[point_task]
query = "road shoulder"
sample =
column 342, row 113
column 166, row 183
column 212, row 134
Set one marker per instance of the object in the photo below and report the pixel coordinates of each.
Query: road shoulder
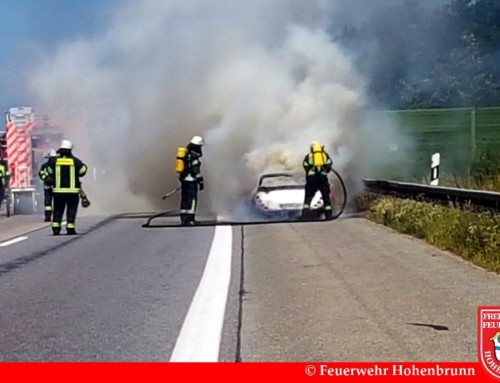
column 17, row 225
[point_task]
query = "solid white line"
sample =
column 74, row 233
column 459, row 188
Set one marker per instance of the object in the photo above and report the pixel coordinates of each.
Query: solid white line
column 12, row 241
column 199, row 339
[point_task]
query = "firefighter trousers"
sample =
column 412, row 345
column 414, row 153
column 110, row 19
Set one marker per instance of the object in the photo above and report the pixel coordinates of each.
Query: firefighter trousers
column 47, row 202
column 68, row 202
column 313, row 185
column 189, row 200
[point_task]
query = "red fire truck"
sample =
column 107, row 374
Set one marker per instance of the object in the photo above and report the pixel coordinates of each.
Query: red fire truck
column 27, row 138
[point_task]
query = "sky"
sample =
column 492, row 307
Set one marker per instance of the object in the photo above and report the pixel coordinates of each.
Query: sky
column 30, row 27
column 33, row 27
column 258, row 79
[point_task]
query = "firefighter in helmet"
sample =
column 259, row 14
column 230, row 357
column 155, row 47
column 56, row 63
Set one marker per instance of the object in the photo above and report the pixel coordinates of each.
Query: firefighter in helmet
column 191, row 179
column 317, row 164
column 4, row 179
column 66, row 170
column 48, row 184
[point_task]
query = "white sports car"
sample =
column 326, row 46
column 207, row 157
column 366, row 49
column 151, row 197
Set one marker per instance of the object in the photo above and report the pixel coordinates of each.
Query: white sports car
column 278, row 194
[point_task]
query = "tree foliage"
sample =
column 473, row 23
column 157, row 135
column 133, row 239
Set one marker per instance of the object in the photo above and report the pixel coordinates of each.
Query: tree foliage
column 417, row 57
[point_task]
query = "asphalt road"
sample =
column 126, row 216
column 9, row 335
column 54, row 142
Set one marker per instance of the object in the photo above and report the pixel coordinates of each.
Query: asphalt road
column 117, row 292
column 352, row 290
column 347, row 290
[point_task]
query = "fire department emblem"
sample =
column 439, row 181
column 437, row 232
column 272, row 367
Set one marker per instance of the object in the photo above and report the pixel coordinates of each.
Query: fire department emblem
column 489, row 339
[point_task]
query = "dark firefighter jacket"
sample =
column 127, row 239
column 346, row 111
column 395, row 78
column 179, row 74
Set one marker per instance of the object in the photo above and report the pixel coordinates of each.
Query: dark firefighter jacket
column 322, row 171
column 192, row 172
column 4, row 174
column 44, row 175
column 66, row 171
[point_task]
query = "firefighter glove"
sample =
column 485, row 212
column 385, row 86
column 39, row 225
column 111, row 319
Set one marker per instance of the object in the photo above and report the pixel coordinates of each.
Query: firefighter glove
column 201, row 184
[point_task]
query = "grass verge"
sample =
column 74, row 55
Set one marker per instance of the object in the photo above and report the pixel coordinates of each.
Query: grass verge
column 473, row 235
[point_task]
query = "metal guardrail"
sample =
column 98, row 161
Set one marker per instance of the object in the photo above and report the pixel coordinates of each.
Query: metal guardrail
column 478, row 198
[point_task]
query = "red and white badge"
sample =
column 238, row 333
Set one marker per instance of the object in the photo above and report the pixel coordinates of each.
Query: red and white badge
column 489, row 339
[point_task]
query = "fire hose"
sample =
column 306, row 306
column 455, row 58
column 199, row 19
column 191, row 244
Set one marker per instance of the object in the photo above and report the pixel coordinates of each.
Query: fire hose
column 217, row 222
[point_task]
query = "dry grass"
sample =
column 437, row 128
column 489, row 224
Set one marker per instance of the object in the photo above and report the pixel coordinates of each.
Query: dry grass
column 470, row 234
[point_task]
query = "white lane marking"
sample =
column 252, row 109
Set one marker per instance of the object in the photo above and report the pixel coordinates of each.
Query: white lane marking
column 12, row 241
column 199, row 339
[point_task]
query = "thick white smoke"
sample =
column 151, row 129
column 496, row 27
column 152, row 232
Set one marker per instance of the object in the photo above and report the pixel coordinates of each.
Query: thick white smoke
column 260, row 80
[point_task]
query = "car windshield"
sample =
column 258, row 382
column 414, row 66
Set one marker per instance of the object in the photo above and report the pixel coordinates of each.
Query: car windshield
column 279, row 181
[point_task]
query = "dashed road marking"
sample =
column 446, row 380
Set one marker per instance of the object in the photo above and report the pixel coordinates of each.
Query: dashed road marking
column 12, row 241
column 200, row 336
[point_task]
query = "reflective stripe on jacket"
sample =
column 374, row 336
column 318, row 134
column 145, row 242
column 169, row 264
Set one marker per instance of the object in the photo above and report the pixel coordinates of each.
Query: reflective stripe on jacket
column 66, row 172
column 4, row 173
column 44, row 173
column 193, row 168
column 312, row 170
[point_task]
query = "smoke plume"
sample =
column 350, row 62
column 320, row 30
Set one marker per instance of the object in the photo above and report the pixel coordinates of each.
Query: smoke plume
column 259, row 80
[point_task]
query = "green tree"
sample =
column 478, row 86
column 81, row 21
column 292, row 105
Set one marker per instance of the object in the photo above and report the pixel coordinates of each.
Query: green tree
column 422, row 58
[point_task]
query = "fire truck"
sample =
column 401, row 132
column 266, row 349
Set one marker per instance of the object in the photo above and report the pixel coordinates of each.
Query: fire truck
column 27, row 138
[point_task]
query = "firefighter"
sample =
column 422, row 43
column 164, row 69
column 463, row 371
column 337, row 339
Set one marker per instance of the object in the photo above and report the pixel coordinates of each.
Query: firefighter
column 191, row 179
column 317, row 164
column 66, row 170
column 4, row 179
column 48, row 183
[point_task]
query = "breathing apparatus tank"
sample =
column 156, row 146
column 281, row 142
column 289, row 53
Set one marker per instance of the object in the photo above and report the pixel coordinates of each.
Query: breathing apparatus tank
column 317, row 154
column 180, row 160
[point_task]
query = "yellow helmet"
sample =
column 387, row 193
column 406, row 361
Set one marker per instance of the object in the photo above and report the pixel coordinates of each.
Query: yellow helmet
column 316, row 147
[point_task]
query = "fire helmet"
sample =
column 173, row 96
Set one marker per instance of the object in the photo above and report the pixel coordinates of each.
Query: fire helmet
column 66, row 144
column 197, row 140
column 51, row 153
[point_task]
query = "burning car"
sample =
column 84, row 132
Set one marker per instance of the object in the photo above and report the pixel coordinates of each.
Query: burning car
column 278, row 194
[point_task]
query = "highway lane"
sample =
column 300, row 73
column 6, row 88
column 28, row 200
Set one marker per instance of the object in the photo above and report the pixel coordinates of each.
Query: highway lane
column 347, row 290
column 10, row 227
column 118, row 292
column 27, row 238
column 352, row 290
